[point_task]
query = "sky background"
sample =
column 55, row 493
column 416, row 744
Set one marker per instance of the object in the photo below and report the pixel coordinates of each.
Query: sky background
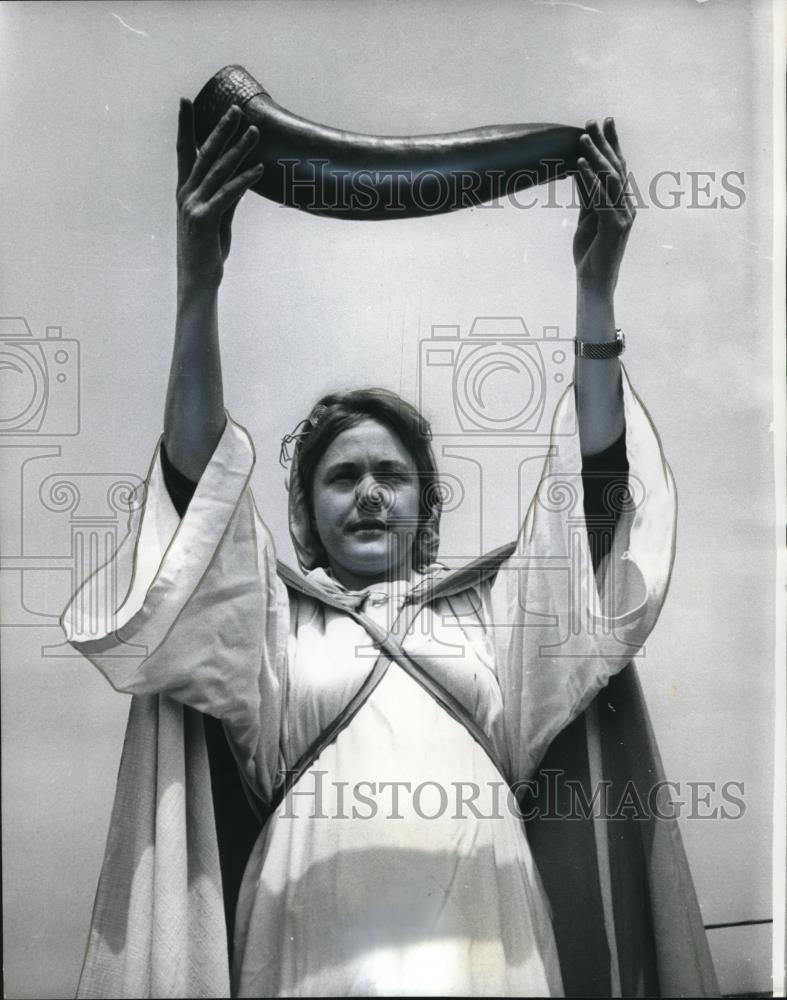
column 89, row 95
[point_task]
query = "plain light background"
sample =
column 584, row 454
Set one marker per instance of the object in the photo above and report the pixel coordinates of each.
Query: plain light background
column 90, row 96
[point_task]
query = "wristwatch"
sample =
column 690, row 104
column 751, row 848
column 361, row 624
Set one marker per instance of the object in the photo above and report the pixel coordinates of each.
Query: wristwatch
column 598, row 352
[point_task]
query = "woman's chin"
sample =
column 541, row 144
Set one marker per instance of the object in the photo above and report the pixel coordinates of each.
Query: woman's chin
column 373, row 557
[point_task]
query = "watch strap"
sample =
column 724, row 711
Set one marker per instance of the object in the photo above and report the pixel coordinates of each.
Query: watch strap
column 599, row 352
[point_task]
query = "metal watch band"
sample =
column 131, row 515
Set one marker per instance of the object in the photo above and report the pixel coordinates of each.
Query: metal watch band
column 599, row 352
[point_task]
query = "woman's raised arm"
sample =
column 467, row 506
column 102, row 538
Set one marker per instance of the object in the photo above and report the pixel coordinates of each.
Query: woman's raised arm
column 209, row 189
column 605, row 220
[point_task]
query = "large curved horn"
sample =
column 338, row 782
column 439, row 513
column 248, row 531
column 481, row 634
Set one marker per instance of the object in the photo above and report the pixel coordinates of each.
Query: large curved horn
column 347, row 175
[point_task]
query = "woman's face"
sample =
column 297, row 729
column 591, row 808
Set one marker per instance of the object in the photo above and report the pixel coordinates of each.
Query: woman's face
column 366, row 504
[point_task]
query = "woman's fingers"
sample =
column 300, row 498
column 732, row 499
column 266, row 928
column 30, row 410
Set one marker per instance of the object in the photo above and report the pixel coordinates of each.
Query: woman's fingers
column 594, row 188
column 214, row 145
column 228, row 163
column 609, row 181
column 611, row 132
column 585, row 181
column 229, row 193
column 604, row 146
column 609, row 143
column 616, row 208
column 611, row 136
column 186, row 145
column 607, row 174
column 589, row 185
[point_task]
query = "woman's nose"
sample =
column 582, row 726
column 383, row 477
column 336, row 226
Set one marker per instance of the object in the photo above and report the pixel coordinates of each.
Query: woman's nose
column 372, row 495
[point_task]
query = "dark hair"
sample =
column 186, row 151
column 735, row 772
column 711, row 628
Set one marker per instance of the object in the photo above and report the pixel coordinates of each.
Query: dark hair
column 338, row 412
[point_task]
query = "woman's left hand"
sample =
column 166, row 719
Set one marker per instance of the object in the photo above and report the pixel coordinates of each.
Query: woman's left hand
column 607, row 213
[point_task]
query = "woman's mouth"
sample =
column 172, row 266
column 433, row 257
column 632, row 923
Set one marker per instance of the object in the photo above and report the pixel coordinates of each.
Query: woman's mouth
column 368, row 524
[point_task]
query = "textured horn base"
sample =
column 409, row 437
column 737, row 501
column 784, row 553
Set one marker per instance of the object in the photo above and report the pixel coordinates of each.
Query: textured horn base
column 231, row 85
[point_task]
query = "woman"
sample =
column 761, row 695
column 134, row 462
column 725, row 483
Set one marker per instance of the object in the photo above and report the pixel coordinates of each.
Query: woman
column 358, row 699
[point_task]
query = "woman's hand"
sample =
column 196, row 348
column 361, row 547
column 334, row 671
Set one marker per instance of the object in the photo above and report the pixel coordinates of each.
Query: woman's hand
column 607, row 213
column 209, row 190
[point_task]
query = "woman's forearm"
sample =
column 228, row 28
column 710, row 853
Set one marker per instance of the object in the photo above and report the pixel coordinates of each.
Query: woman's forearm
column 194, row 416
column 599, row 391
column 606, row 216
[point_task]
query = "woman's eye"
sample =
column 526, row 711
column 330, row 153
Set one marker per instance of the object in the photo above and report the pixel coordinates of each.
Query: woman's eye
column 340, row 475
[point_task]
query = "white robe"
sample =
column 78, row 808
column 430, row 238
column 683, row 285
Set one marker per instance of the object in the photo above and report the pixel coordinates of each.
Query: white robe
column 440, row 899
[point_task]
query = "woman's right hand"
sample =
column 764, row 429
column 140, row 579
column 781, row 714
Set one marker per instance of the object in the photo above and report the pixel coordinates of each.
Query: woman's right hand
column 209, row 190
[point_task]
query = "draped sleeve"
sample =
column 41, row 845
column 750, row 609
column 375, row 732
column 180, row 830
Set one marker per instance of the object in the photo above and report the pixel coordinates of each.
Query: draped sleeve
column 561, row 629
column 204, row 618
